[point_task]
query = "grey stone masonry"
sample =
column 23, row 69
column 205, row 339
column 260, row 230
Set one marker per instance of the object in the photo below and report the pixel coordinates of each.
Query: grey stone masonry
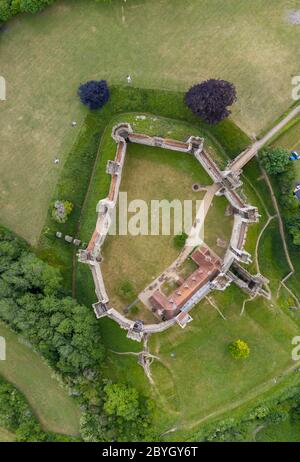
column 226, row 182
column 113, row 168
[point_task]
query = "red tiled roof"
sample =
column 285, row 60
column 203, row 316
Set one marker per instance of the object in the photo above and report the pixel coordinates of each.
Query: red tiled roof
column 209, row 267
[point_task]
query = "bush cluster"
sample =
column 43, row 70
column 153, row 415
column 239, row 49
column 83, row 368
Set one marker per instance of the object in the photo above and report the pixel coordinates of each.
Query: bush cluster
column 67, row 334
column 277, row 164
column 10, row 8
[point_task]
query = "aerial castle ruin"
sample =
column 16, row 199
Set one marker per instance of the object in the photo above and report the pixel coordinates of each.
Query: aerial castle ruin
column 212, row 273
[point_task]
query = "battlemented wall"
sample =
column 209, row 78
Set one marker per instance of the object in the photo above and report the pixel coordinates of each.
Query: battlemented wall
column 226, row 272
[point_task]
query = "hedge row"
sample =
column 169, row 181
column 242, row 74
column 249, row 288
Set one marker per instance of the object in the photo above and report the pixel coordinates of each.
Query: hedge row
column 10, row 8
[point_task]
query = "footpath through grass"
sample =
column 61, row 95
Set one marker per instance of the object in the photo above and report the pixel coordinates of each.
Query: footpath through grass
column 54, row 408
column 195, row 377
column 285, row 432
column 6, row 436
column 289, row 138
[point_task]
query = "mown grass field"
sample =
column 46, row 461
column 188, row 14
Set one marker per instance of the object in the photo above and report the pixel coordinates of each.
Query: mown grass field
column 162, row 44
column 6, row 436
column 285, row 432
column 55, row 409
column 202, row 380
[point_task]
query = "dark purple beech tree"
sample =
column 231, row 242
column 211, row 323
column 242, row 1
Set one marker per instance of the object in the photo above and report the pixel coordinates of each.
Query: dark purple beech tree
column 209, row 100
column 94, row 94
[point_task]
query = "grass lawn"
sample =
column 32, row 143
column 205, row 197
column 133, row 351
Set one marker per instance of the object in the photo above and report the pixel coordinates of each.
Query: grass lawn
column 290, row 139
column 55, row 409
column 6, row 436
column 218, row 226
column 285, row 432
column 202, row 379
column 248, row 43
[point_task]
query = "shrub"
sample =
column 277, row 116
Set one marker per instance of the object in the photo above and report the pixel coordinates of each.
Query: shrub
column 289, row 202
column 94, row 94
column 134, row 309
column 179, row 240
column 287, row 178
column 121, row 401
column 239, row 349
column 5, row 10
column 61, row 211
column 126, row 291
column 275, row 160
column 34, row 6
column 9, row 8
column 260, row 412
column 209, row 100
column 293, row 225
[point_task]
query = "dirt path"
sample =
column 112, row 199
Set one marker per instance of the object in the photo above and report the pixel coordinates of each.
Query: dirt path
column 257, row 430
column 281, row 227
column 240, row 161
column 211, row 301
column 285, row 246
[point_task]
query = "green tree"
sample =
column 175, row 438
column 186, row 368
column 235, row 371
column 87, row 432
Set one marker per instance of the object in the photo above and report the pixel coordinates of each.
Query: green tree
column 289, row 202
column 274, row 160
column 126, row 291
column 293, row 225
column 93, row 428
column 16, row 416
column 5, row 10
column 179, row 240
column 121, row 401
column 34, row 6
column 239, row 349
column 68, row 336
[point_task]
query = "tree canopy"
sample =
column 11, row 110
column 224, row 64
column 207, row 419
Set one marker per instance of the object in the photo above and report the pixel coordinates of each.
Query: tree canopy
column 293, row 224
column 179, row 240
column 67, row 334
column 275, row 160
column 121, row 401
column 9, row 8
column 32, row 302
column 16, row 416
column 94, row 94
column 239, row 349
column 210, row 100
